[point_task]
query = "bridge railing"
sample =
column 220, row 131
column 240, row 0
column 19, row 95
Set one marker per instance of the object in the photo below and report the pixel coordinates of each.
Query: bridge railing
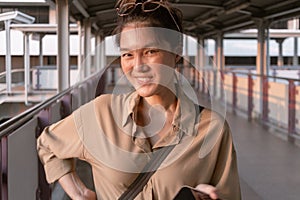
column 274, row 103
column 22, row 175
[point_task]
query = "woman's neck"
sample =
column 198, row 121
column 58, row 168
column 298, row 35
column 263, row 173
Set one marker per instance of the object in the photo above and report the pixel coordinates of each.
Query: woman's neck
column 167, row 99
column 165, row 102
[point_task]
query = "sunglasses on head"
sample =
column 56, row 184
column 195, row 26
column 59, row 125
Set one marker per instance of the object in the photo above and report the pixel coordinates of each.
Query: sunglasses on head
column 147, row 6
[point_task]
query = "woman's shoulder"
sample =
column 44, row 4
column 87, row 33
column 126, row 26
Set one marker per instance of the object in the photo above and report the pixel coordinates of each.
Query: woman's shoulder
column 212, row 118
column 208, row 113
column 111, row 99
column 102, row 99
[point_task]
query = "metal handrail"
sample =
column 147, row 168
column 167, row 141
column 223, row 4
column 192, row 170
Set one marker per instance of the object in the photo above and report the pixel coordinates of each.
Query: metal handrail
column 14, row 71
column 12, row 124
column 259, row 75
column 3, row 74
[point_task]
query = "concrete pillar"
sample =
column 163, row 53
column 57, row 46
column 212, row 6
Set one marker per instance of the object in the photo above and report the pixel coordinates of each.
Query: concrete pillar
column 214, row 67
column 262, row 67
column 8, row 57
column 199, row 61
column 268, row 61
column 261, row 58
column 41, row 59
column 63, row 65
column 80, row 50
column 201, row 52
column 203, row 60
column 99, row 51
column 186, row 60
column 219, row 63
column 87, row 26
column 102, row 53
column 280, row 50
column 26, row 66
column 295, row 57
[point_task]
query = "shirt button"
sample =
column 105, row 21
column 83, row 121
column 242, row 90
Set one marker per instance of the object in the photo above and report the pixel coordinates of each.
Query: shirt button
column 175, row 128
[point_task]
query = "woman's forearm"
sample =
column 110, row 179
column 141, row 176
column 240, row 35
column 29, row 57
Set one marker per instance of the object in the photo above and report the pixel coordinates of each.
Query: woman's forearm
column 75, row 188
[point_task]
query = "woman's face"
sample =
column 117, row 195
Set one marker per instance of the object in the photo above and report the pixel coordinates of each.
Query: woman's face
column 146, row 60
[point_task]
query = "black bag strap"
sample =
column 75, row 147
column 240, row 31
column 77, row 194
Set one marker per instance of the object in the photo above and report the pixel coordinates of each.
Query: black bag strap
column 150, row 168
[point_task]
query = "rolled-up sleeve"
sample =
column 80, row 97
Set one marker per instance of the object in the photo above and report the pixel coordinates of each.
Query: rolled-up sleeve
column 226, row 176
column 57, row 147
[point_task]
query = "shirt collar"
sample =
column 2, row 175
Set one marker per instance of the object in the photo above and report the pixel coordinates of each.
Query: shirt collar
column 131, row 103
column 185, row 114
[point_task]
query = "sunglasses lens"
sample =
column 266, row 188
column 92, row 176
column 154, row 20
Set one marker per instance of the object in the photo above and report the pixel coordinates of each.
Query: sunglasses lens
column 150, row 6
column 126, row 9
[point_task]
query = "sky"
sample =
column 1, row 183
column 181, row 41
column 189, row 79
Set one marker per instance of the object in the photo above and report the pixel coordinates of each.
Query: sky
column 231, row 47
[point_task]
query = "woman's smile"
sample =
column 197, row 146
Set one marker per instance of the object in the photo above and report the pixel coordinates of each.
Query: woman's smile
column 143, row 80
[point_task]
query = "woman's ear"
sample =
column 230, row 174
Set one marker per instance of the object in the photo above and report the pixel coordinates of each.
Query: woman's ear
column 177, row 58
column 178, row 51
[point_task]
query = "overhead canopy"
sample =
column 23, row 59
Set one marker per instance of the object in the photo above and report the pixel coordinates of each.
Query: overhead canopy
column 201, row 17
column 17, row 17
column 42, row 28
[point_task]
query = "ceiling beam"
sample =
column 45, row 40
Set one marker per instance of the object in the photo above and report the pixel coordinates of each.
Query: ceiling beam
column 283, row 13
column 197, row 5
column 206, row 20
column 81, row 8
column 280, row 4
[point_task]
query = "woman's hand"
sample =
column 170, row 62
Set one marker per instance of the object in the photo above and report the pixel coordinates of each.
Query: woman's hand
column 208, row 189
column 87, row 195
column 75, row 188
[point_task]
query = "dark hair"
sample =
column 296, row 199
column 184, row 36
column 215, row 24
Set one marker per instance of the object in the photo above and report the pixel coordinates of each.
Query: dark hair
column 160, row 17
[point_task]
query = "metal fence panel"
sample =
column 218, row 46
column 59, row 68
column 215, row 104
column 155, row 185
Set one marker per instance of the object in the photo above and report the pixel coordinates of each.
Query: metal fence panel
column 23, row 162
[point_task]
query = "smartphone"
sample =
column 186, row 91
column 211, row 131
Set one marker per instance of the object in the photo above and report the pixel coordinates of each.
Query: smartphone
column 188, row 193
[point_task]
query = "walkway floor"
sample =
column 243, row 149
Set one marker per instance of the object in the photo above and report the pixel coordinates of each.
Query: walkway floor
column 269, row 166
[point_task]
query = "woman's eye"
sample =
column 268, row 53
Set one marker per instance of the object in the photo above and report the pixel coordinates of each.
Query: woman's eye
column 126, row 55
column 151, row 51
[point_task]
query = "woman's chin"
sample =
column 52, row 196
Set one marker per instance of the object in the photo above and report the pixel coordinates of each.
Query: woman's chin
column 146, row 90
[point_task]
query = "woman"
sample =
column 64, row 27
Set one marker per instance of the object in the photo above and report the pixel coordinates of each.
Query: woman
column 118, row 134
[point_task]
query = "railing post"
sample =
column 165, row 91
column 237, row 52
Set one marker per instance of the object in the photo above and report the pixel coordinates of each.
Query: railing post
column 66, row 106
column 8, row 57
column 193, row 72
column 203, row 81
column 197, row 75
column 215, row 82
column 112, row 71
column 4, row 156
column 265, row 110
column 292, row 108
column 250, row 97
column 208, row 85
column 38, row 74
column 43, row 191
column 234, row 92
column 222, row 85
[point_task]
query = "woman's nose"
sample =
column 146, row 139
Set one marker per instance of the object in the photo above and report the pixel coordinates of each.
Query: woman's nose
column 140, row 64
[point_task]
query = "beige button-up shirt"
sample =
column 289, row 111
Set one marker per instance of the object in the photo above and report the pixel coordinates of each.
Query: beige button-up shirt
column 103, row 132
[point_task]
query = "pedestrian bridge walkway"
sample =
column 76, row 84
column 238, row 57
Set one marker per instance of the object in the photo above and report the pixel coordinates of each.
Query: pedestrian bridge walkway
column 268, row 161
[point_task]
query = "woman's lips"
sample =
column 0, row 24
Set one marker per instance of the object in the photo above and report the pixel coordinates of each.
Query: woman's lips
column 144, row 80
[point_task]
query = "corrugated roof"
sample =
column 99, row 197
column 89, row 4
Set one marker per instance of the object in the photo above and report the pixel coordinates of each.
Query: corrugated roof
column 204, row 17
